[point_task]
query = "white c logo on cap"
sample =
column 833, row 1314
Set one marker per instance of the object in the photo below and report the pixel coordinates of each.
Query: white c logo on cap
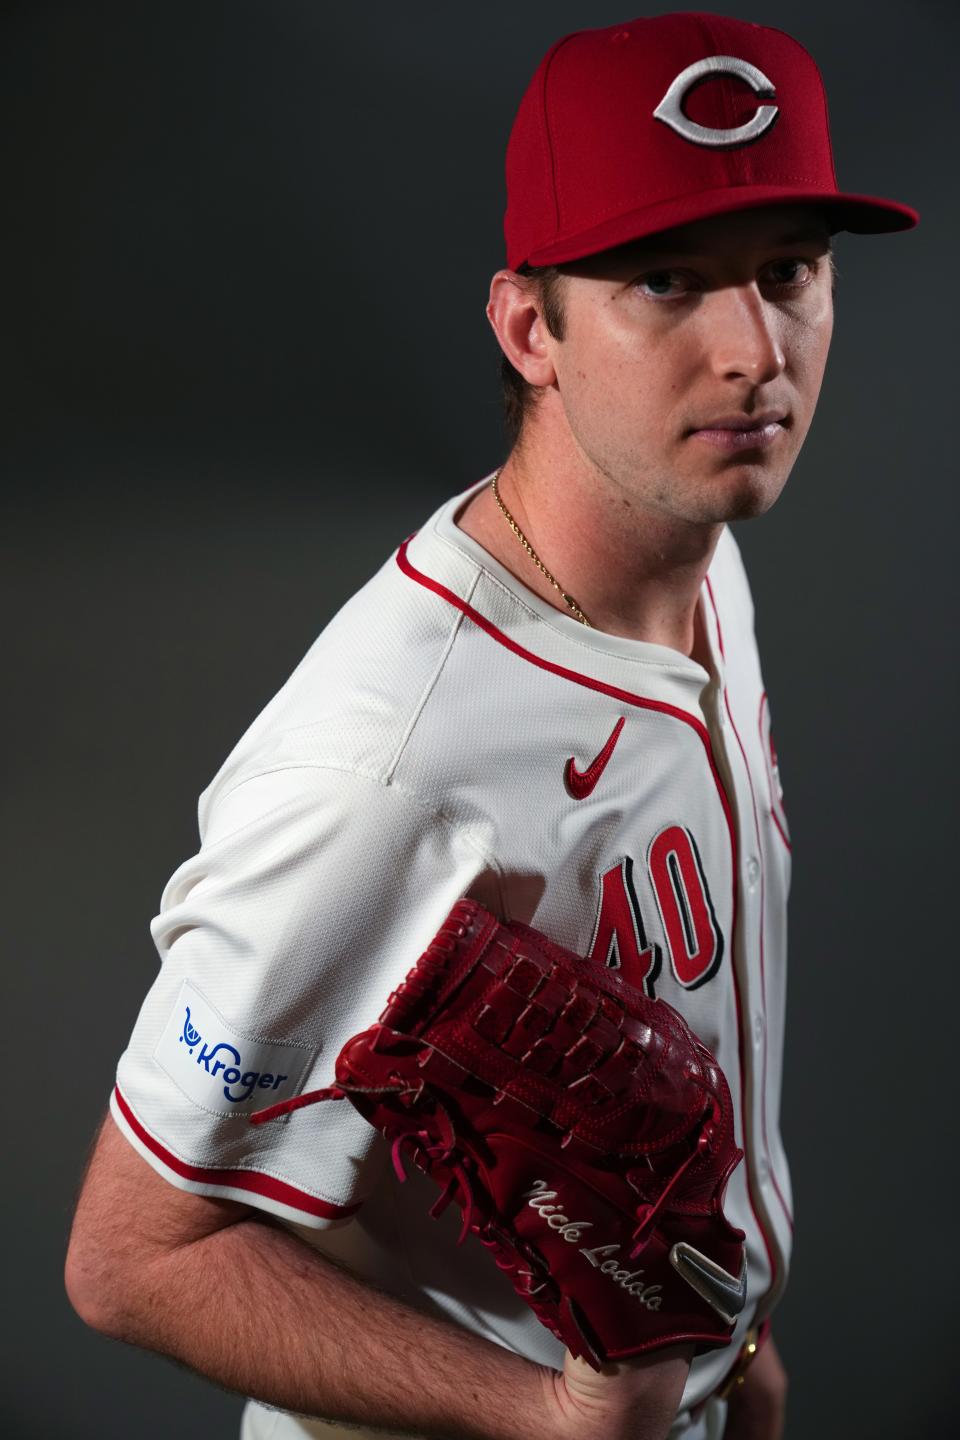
column 671, row 113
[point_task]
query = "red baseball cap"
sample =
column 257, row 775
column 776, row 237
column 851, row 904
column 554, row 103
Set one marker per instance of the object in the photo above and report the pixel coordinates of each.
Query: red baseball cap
column 636, row 128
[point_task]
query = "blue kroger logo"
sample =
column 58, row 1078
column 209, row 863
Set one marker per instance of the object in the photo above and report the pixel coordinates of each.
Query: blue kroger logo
column 223, row 1061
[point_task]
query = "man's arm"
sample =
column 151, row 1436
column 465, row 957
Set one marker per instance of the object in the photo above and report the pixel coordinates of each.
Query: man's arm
column 244, row 1302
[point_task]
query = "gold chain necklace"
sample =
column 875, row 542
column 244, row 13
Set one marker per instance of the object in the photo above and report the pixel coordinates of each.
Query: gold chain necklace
column 568, row 600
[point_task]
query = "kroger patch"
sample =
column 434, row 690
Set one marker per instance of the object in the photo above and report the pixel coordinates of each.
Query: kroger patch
column 221, row 1069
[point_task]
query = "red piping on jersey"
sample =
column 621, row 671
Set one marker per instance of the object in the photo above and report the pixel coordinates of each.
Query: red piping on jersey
column 412, row 573
column 640, row 701
column 252, row 1180
column 763, row 979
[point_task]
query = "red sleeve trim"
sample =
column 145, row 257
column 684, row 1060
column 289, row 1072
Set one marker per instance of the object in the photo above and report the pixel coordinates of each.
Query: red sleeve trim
column 253, row 1181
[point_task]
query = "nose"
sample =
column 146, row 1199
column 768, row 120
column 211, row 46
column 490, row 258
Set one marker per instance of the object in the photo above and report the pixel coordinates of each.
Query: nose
column 744, row 337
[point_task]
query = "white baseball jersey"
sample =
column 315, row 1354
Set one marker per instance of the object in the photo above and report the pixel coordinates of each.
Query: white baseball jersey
column 450, row 733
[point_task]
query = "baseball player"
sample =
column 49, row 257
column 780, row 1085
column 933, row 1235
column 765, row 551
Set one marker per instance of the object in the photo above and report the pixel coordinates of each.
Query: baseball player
column 549, row 700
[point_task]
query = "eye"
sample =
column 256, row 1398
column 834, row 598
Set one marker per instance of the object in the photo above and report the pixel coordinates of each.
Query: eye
column 658, row 284
column 790, row 274
column 793, row 273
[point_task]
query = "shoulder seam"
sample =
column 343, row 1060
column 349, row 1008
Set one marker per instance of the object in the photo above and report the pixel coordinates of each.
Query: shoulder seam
column 431, row 683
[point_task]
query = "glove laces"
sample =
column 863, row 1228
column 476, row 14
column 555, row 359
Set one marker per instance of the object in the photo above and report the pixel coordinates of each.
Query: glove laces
column 439, row 1146
column 647, row 1214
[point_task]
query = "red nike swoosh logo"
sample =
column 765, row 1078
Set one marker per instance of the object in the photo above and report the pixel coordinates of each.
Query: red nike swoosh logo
column 581, row 782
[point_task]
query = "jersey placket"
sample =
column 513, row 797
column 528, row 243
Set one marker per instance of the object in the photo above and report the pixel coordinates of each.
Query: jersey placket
column 747, row 977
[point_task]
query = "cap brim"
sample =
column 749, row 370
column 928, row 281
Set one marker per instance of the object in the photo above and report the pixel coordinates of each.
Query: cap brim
column 861, row 214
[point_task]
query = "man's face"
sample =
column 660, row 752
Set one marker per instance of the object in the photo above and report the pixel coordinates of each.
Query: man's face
column 685, row 332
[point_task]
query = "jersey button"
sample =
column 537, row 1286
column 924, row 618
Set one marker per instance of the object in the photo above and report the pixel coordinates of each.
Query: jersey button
column 757, row 1029
column 764, row 1170
column 753, row 872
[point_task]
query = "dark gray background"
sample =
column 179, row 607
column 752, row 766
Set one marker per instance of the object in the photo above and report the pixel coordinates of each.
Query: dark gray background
column 246, row 249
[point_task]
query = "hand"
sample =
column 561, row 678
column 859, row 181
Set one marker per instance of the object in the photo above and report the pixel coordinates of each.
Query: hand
column 629, row 1400
column 757, row 1408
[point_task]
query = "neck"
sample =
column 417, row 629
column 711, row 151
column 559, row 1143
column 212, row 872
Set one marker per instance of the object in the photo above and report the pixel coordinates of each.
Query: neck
column 635, row 571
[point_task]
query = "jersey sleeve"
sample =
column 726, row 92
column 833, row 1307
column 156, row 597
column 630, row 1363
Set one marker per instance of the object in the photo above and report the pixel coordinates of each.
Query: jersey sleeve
column 313, row 893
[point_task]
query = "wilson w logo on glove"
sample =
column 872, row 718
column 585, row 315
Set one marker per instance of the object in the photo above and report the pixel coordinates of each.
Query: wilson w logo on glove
column 582, row 1128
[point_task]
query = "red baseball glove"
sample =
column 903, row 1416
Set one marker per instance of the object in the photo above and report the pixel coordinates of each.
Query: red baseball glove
column 584, row 1131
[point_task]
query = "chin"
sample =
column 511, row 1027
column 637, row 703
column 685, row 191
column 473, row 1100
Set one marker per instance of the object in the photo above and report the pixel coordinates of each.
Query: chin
column 745, row 496
column 751, row 504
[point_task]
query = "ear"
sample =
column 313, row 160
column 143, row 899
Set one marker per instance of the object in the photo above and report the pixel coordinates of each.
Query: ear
column 520, row 329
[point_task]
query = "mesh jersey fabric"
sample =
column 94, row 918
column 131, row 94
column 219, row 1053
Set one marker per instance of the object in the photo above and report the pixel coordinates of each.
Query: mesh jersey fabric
column 418, row 753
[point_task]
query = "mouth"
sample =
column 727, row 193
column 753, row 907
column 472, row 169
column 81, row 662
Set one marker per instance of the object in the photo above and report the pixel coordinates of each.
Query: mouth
column 735, row 433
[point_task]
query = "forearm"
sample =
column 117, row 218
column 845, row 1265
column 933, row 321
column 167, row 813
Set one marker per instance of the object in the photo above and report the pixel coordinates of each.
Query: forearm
column 249, row 1305
column 255, row 1309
